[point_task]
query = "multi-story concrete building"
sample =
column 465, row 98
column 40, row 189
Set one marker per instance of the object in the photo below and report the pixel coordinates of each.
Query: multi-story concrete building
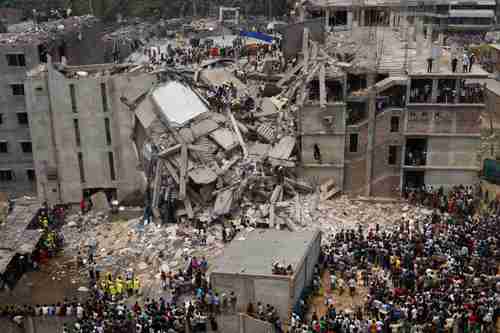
column 443, row 15
column 26, row 46
column 82, row 130
column 390, row 123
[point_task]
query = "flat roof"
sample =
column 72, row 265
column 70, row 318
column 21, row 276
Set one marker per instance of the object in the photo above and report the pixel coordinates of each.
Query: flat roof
column 256, row 252
column 178, row 102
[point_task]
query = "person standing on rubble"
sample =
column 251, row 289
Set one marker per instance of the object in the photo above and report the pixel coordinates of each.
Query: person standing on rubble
column 148, row 214
column 317, row 153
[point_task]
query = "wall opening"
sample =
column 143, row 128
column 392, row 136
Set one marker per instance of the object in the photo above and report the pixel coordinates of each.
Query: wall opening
column 394, row 124
column 26, row 146
column 81, row 167
column 413, row 179
column 6, row 175
column 72, row 94
column 108, row 131
column 104, row 97
column 22, row 118
column 16, row 60
column 111, row 166
column 353, row 143
column 76, row 126
column 416, row 152
column 392, row 159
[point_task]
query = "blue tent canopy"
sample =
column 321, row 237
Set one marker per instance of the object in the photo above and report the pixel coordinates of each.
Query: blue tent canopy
column 257, row 35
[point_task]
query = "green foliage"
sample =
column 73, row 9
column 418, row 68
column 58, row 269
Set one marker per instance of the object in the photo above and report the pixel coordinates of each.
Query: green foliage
column 7, row 3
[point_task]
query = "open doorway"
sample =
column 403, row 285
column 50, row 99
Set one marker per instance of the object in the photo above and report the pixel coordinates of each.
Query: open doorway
column 416, row 152
column 413, row 179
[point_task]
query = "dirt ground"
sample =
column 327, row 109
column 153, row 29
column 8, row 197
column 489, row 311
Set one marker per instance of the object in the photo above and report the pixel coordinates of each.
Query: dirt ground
column 56, row 280
column 341, row 303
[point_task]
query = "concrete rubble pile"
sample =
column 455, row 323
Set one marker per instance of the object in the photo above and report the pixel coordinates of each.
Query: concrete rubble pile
column 131, row 245
column 28, row 32
column 54, row 26
column 228, row 163
column 331, row 216
column 238, row 156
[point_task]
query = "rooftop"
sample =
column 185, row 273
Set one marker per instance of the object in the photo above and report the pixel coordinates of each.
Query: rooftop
column 258, row 249
column 178, row 103
column 14, row 236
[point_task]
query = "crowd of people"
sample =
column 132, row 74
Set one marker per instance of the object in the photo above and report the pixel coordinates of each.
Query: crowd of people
column 190, row 304
column 431, row 273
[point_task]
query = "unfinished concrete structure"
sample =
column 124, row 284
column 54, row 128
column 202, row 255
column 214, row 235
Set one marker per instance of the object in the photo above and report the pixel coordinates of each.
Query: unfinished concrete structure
column 387, row 111
column 445, row 15
column 246, row 268
column 82, row 129
column 24, row 47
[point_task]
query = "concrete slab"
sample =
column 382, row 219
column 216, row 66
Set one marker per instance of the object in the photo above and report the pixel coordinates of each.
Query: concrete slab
column 178, row 103
column 203, row 175
column 259, row 249
column 283, row 149
column 204, row 127
column 224, row 138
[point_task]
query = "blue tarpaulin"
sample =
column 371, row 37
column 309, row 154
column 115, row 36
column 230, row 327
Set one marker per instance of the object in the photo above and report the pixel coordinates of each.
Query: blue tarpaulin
column 257, row 35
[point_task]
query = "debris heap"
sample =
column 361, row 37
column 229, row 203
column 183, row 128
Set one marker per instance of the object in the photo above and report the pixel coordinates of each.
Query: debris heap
column 226, row 163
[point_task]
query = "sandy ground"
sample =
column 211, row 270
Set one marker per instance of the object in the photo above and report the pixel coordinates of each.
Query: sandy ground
column 55, row 281
column 345, row 302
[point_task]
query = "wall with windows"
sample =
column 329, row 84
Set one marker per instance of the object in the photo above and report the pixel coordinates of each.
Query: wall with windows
column 88, row 145
column 16, row 161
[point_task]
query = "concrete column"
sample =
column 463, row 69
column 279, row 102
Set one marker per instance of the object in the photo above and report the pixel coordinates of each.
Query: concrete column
column 362, row 18
column 371, row 132
column 391, row 19
column 349, row 20
column 302, row 13
column 327, row 19
column 429, row 34
column 457, row 91
column 419, row 32
column 432, row 126
column 434, row 91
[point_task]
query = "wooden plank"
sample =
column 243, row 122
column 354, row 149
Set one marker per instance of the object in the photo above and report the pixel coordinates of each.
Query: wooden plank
column 322, row 86
column 183, row 168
